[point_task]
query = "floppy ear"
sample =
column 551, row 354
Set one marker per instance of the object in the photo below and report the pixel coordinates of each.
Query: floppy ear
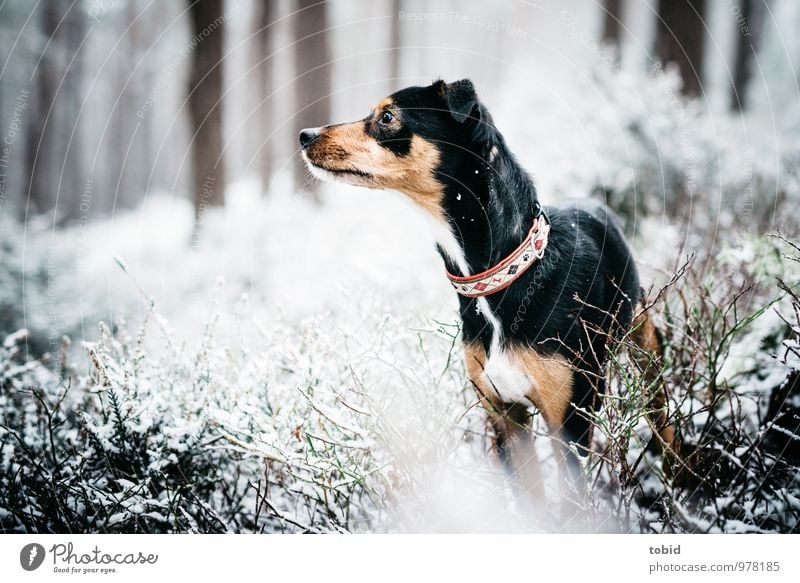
column 460, row 97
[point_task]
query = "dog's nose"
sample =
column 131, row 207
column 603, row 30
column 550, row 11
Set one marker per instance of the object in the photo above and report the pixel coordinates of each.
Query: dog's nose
column 307, row 136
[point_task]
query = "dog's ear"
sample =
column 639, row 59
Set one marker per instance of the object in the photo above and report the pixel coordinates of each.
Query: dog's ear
column 459, row 96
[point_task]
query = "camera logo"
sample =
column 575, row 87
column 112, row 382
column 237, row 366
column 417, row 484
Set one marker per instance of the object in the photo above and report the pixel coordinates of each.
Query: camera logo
column 31, row 556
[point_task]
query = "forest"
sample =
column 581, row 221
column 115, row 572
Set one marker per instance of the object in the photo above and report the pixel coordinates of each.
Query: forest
column 198, row 336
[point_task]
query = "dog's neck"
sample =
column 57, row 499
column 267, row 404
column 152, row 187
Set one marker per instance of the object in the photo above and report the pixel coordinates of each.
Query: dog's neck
column 489, row 204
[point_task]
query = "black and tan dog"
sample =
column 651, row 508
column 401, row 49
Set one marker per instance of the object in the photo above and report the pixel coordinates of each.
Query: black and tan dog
column 541, row 289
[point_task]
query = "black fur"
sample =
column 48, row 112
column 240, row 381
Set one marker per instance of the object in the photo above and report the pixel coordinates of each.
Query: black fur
column 584, row 287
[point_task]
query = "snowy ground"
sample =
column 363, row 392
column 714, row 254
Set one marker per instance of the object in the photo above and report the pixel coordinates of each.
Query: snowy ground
column 315, row 348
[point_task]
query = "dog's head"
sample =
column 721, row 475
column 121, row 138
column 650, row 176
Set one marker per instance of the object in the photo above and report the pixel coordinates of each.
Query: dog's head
column 405, row 143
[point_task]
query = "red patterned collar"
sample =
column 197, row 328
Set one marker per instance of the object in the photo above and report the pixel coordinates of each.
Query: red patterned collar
column 509, row 269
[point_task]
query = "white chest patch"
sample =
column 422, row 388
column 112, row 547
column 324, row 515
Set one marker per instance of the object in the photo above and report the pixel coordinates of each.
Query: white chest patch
column 511, row 383
column 508, row 379
column 443, row 235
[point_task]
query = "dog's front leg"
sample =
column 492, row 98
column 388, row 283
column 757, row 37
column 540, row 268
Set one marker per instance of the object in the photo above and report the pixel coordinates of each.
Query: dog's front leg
column 515, row 448
column 513, row 440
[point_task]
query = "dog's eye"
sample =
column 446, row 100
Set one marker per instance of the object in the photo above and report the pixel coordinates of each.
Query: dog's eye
column 387, row 117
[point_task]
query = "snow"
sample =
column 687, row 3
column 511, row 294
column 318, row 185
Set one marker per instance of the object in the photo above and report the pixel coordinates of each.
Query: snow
column 277, row 337
column 321, row 342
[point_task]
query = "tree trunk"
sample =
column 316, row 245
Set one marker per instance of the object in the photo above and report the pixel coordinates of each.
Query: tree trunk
column 73, row 168
column 40, row 161
column 680, row 34
column 395, row 41
column 205, row 106
column 312, row 74
column 118, row 167
column 262, row 132
column 133, row 169
column 748, row 24
column 612, row 22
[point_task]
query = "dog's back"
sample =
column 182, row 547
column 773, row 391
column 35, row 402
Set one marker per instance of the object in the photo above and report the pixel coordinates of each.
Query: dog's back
column 617, row 263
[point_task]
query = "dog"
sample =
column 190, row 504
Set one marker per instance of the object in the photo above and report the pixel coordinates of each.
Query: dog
column 542, row 290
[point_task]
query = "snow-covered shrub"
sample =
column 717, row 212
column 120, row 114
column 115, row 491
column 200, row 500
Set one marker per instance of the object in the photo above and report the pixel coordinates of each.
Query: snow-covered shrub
column 101, row 453
column 731, row 377
column 276, row 433
column 632, row 140
column 323, row 389
column 29, row 286
column 365, row 423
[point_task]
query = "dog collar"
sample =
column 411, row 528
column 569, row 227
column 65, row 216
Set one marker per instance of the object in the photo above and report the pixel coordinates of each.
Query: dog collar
column 509, row 269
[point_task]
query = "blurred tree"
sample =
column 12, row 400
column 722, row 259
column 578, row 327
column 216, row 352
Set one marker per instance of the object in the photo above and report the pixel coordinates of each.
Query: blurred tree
column 612, row 22
column 127, row 172
column 205, row 104
column 395, row 43
column 72, row 168
column 54, row 165
column 263, row 62
column 680, row 38
column 312, row 75
column 749, row 24
column 38, row 160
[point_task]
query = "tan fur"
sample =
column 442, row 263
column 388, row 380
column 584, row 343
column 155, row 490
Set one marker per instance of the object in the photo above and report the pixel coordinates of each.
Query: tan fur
column 475, row 361
column 551, row 385
column 552, row 374
column 415, row 175
column 511, row 423
column 552, row 377
column 384, row 103
column 645, row 336
column 347, row 147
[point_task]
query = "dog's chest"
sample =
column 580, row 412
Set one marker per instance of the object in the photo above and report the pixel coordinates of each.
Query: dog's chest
column 508, row 379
